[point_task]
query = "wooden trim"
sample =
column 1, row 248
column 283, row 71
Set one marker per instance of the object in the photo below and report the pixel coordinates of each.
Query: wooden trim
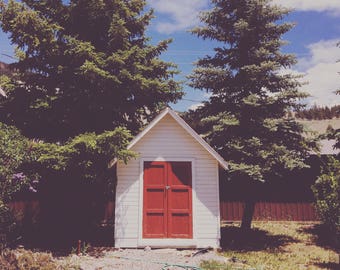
column 161, row 242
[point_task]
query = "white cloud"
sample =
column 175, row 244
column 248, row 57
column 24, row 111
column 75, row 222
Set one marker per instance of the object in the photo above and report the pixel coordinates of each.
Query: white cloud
column 183, row 14
column 332, row 6
column 195, row 106
column 180, row 14
column 321, row 70
column 324, row 51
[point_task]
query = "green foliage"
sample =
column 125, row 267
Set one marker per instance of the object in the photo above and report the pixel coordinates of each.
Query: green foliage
column 332, row 134
column 87, row 156
column 5, row 81
column 327, row 194
column 84, row 66
column 75, row 170
column 319, row 113
column 86, row 74
column 15, row 152
column 244, row 119
column 8, row 226
column 76, row 183
column 214, row 265
column 82, row 249
column 336, row 134
column 245, row 116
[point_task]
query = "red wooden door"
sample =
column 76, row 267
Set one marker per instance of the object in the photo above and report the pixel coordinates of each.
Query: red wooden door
column 155, row 204
column 167, row 205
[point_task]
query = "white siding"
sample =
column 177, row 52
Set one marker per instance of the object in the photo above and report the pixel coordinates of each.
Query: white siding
column 168, row 141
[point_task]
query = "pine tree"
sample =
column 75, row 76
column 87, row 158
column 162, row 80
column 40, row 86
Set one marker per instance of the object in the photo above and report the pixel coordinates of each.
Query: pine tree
column 84, row 66
column 250, row 95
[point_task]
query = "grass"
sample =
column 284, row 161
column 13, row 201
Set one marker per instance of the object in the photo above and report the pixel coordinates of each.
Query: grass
column 275, row 246
column 268, row 246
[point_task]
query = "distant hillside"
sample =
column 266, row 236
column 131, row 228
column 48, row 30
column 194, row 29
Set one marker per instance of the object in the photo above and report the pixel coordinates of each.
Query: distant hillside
column 5, row 69
column 320, row 126
column 318, row 113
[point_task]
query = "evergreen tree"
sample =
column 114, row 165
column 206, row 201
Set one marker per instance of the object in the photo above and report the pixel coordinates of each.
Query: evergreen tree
column 250, row 95
column 16, row 152
column 319, row 113
column 84, row 66
column 86, row 75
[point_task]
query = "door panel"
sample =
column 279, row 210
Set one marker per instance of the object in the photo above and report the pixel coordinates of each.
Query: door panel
column 180, row 173
column 167, row 200
column 154, row 225
column 155, row 199
column 154, row 205
column 179, row 200
column 180, row 225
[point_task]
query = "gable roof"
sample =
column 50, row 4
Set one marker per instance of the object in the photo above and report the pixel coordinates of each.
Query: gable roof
column 187, row 128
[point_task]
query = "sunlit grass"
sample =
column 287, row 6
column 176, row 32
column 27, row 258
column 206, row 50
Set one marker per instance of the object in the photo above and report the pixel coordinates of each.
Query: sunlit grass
column 298, row 250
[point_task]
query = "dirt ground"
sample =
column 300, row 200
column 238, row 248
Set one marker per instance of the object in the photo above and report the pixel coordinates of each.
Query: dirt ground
column 144, row 259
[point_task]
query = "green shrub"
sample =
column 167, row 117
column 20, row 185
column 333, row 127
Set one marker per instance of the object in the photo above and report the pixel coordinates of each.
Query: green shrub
column 7, row 226
column 326, row 191
column 28, row 260
column 15, row 153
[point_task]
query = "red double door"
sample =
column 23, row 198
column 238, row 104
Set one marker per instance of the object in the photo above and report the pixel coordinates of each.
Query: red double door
column 167, row 200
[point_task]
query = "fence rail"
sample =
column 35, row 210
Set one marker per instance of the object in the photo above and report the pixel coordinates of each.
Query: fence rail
column 277, row 211
column 31, row 209
column 230, row 211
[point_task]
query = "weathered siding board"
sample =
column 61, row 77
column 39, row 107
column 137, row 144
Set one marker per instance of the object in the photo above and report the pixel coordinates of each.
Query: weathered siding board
column 127, row 203
column 167, row 140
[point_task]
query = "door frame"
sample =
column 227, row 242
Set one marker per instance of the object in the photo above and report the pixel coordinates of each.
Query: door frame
column 166, row 242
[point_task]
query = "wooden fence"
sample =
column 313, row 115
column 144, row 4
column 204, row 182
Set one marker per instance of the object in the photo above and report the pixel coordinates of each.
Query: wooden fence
column 276, row 211
column 230, row 211
column 31, row 209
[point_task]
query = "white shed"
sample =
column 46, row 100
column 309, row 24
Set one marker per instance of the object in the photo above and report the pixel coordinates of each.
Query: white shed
column 169, row 195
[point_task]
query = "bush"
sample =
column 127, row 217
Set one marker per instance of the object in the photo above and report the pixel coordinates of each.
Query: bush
column 8, row 260
column 15, row 153
column 7, row 226
column 28, row 260
column 326, row 191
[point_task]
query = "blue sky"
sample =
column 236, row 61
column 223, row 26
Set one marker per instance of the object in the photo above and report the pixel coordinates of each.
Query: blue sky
column 313, row 40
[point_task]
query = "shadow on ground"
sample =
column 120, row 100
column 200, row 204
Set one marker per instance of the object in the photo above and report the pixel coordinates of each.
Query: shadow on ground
column 61, row 243
column 234, row 238
column 328, row 266
column 324, row 238
column 70, row 210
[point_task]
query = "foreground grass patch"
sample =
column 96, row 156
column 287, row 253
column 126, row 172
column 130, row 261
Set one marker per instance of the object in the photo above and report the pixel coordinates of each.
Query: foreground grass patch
column 275, row 246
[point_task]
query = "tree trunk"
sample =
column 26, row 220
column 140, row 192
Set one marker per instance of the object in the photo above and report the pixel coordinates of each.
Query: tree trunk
column 248, row 214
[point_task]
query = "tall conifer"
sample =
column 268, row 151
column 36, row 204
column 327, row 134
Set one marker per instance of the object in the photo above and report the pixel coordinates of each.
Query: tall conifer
column 84, row 66
column 245, row 116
